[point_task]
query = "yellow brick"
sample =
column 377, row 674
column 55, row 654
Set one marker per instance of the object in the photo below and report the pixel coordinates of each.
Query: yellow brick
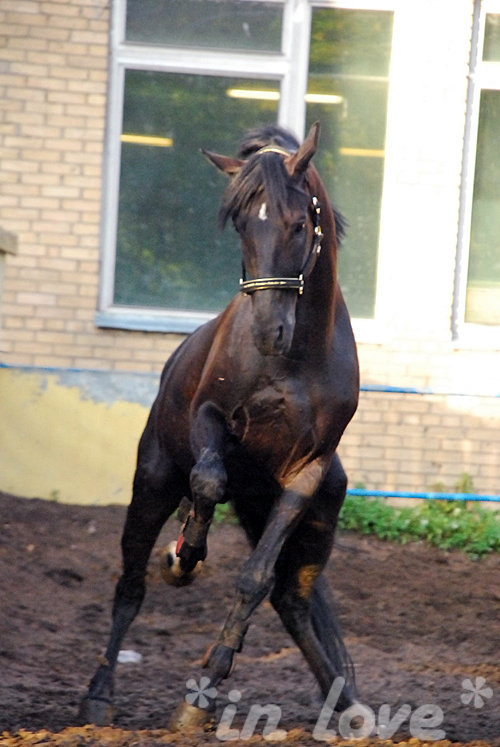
column 30, row 7
column 61, row 9
column 49, row 359
column 10, row 28
column 71, row 23
column 50, row 32
column 27, row 42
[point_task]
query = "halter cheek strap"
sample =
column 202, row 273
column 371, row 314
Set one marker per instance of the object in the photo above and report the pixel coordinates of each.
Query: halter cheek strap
column 251, row 286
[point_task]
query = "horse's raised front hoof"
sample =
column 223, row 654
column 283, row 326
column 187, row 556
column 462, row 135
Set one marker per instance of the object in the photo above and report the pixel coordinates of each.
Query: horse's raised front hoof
column 171, row 570
column 95, row 711
column 187, row 716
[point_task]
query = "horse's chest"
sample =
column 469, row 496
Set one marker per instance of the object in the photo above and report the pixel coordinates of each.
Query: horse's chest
column 274, row 422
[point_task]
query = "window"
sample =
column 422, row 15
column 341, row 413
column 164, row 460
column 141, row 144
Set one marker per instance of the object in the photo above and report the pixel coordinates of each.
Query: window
column 347, row 91
column 220, row 24
column 482, row 303
column 169, row 197
column 478, row 288
column 187, row 74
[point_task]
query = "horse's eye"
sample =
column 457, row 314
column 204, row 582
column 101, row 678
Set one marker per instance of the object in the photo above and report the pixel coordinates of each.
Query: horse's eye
column 300, row 226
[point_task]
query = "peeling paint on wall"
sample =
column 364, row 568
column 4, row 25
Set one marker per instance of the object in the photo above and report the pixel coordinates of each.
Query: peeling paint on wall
column 71, row 435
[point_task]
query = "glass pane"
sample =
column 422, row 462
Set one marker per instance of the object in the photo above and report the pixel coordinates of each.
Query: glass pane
column 347, row 92
column 491, row 50
column 228, row 24
column 170, row 253
column 483, row 281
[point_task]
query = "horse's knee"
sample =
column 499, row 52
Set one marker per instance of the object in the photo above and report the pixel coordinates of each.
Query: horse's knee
column 254, row 583
column 208, row 477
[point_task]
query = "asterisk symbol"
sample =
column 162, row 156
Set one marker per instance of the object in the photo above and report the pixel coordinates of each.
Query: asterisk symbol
column 201, row 693
column 476, row 692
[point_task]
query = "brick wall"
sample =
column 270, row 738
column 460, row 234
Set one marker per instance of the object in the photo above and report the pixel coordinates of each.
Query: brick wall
column 423, row 442
column 53, row 78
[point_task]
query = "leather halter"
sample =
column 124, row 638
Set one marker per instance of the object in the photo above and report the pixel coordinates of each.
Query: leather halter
column 277, row 283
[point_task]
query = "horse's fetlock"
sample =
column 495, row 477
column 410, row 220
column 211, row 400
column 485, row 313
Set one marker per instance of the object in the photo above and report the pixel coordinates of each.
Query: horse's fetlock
column 220, row 661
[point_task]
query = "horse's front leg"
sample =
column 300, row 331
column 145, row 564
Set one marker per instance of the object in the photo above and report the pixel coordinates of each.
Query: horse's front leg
column 208, row 483
column 257, row 576
column 254, row 583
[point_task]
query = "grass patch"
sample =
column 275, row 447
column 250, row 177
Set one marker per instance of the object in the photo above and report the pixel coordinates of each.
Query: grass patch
column 445, row 524
column 224, row 512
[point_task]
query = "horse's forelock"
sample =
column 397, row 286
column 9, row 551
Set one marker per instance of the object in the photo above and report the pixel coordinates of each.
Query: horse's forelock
column 258, row 138
column 264, row 173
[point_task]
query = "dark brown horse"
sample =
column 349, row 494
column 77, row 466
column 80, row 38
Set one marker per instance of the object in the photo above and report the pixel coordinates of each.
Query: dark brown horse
column 251, row 409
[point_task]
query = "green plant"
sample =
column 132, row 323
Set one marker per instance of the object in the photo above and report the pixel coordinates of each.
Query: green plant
column 225, row 512
column 464, row 483
column 446, row 524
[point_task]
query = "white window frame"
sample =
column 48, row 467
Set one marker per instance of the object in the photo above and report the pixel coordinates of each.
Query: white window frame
column 482, row 76
column 288, row 66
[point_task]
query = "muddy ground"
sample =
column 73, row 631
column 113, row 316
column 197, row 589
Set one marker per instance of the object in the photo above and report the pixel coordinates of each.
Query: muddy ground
column 417, row 621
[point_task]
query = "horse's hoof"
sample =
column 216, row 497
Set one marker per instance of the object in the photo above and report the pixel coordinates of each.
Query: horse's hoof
column 188, row 716
column 171, row 570
column 95, row 711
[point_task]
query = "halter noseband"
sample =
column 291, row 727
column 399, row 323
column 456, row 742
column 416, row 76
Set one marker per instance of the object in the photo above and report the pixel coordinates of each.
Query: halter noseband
column 251, row 286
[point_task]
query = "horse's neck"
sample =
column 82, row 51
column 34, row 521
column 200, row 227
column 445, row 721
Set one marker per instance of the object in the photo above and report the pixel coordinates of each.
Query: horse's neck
column 316, row 308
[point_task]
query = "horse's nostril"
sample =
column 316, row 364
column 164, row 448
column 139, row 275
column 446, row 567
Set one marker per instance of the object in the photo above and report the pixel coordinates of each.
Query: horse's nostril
column 279, row 336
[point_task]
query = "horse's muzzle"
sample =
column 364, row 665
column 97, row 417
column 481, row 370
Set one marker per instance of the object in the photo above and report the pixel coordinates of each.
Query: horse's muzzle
column 273, row 323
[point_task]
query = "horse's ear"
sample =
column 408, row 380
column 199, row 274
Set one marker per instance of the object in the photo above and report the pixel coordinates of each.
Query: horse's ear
column 228, row 165
column 297, row 163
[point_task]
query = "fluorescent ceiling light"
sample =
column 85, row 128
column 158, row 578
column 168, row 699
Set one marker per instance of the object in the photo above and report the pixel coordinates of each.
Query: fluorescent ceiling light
column 322, row 98
column 257, row 95
column 362, row 152
column 244, row 93
column 157, row 142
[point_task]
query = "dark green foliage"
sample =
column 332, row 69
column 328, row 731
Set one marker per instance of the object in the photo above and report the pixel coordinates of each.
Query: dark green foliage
column 446, row 524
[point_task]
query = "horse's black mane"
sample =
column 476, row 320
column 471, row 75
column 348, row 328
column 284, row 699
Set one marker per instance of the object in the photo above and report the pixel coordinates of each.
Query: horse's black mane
column 264, row 174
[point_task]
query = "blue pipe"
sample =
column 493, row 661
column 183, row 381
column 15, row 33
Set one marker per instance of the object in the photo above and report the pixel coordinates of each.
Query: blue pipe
column 424, row 496
column 384, row 388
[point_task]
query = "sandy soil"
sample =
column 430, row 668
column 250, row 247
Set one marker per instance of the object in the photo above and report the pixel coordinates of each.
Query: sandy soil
column 417, row 621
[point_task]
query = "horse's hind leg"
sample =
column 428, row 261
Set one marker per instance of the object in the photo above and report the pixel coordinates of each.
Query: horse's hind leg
column 157, row 491
column 302, row 598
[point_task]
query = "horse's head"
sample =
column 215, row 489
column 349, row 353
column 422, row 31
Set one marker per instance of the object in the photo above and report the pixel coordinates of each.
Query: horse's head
column 277, row 219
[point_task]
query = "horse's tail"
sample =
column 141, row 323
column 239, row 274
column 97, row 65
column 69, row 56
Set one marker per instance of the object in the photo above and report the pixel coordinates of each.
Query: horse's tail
column 327, row 630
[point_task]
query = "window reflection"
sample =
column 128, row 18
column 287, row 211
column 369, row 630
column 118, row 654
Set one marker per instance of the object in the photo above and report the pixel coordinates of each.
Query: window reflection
column 227, row 24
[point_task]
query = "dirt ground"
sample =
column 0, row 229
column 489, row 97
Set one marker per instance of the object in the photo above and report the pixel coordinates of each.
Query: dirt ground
column 417, row 621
